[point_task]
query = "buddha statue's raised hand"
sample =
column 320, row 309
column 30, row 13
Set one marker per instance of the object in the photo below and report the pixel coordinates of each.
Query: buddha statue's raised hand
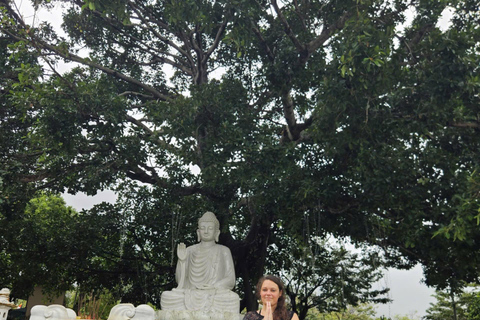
column 182, row 251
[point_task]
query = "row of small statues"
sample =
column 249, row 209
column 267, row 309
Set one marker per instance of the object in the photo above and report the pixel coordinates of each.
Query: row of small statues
column 127, row 311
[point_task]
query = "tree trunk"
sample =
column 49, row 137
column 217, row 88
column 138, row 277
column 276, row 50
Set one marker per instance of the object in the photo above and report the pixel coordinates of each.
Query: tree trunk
column 454, row 305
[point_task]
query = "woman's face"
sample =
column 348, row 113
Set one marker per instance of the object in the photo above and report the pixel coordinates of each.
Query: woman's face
column 270, row 293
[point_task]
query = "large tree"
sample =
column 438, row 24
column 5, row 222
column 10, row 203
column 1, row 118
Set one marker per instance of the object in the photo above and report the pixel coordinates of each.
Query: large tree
column 289, row 120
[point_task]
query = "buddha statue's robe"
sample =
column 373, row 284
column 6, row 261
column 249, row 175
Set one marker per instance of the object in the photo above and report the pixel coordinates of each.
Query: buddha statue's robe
column 205, row 281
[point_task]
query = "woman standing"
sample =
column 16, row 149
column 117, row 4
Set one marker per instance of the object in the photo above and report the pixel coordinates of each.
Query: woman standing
column 271, row 291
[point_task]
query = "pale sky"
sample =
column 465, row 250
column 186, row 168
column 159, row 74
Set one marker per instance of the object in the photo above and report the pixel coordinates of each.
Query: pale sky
column 410, row 296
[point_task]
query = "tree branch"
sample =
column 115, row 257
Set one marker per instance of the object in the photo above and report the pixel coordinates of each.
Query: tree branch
column 164, row 26
column 327, row 32
column 473, row 124
column 114, row 73
column 288, row 30
column 217, row 40
column 263, row 43
column 149, row 131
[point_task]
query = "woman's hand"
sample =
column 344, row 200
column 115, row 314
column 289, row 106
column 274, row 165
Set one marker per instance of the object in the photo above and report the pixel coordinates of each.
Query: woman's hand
column 268, row 312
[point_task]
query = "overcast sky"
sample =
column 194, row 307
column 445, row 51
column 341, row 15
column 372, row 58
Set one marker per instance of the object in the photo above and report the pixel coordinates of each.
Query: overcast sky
column 410, row 296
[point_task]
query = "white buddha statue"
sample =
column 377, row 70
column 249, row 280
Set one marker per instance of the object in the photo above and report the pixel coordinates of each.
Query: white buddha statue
column 205, row 274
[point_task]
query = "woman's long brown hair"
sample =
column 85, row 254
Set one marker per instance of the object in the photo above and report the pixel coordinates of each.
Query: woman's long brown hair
column 280, row 312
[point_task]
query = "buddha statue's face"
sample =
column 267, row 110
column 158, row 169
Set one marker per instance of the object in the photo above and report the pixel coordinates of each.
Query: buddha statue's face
column 206, row 231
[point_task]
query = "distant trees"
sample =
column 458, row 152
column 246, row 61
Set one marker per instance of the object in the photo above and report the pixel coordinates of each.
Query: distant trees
column 460, row 305
column 360, row 312
column 40, row 247
column 327, row 277
column 53, row 246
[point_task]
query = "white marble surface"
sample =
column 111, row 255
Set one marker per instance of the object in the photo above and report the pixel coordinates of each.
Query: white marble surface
column 51, row 312
column 127, row 311
column 196, row 315
column 205, row 274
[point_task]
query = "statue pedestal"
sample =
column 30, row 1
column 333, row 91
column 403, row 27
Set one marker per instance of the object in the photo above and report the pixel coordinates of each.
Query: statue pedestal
column 196, row 315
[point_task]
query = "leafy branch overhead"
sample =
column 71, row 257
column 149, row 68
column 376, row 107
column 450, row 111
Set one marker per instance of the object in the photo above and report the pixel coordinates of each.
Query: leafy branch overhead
column 291, row 120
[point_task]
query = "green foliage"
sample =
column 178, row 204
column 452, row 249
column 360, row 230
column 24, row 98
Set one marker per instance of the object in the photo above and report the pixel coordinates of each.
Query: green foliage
column 95, row 305
column 462, row 226
column 461, row 305
column 39, row 247
column 291, row 123
column 361, row 312
column 326, row 277
column 364, row 312
column 473, row 309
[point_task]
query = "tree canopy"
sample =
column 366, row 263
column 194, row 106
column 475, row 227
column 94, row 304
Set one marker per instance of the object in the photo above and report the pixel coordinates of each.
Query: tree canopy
column 290, row 120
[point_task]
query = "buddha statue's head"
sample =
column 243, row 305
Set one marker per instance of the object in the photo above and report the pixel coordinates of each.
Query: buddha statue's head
column 208, row 227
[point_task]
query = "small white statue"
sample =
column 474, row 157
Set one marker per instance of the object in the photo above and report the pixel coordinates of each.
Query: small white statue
column 51, row 312
column 205, row 274
column 127, row 311
column 4, row 297
column 5, row 303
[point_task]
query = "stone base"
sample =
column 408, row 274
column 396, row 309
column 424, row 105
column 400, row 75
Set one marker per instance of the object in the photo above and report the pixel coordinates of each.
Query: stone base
column 196, row 315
